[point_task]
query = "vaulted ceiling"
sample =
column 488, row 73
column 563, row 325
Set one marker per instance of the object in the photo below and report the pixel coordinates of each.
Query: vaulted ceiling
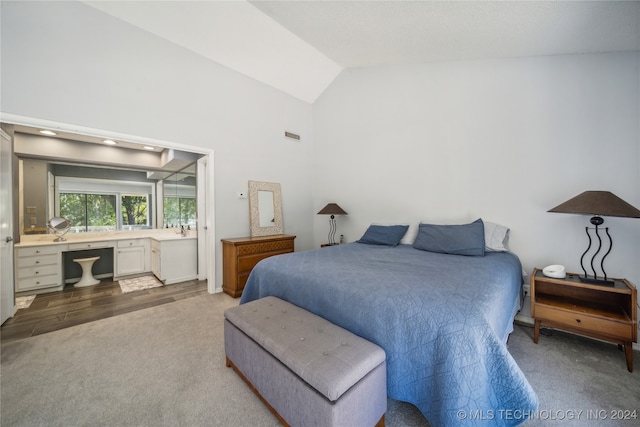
column 300, row 47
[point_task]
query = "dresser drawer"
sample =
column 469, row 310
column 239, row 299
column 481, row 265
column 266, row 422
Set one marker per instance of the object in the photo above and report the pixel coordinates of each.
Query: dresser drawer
column 246, row 263
column 36, row 261
column 38, row 271
column 585, row 322
column 280, row 246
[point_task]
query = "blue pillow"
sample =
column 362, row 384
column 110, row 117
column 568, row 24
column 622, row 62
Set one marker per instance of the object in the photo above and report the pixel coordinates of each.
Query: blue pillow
column 388, row 235
column 466, row 239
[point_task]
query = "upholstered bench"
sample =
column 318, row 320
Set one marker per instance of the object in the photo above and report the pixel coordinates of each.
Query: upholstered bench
column 308, row 371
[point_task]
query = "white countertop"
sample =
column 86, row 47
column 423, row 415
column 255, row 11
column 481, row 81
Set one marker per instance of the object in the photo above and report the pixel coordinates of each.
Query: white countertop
column 156, row 234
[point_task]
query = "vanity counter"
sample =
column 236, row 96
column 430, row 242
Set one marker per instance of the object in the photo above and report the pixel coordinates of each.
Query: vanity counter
column 43, row 265
column 48, row 239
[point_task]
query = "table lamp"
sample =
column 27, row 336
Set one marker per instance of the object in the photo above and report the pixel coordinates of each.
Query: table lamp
column 598, row 204
column 332, row 209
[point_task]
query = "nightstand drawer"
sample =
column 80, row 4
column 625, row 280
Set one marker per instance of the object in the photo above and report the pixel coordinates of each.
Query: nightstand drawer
column 585, row 322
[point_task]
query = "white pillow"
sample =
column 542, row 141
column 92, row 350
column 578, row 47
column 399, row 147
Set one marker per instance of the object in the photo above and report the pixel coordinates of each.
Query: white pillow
column 496, row 237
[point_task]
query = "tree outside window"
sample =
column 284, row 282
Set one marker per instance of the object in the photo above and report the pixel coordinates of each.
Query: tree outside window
column 134, row 210
column 97, row 212
column 179, row 211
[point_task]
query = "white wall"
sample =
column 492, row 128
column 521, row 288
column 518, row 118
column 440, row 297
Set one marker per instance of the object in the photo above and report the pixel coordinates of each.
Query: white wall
column 505, row 140
column 67, row 62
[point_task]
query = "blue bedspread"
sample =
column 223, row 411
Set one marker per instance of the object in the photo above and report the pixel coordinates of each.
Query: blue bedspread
column 443, row 321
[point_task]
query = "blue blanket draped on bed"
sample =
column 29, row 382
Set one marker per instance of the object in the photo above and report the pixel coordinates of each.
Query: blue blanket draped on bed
column 443, row 321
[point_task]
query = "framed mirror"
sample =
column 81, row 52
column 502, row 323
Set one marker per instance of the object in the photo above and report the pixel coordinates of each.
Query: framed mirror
column 265, row 208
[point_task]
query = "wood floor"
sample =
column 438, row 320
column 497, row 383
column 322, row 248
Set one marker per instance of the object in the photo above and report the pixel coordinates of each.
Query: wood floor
column 73, row 306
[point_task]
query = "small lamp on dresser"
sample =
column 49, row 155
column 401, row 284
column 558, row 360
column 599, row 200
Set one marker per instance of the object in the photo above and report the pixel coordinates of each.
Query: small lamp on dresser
column 332, row 209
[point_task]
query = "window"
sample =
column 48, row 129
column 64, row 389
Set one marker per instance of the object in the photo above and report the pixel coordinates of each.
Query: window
column 179, row 211
column 102, row 205
column 134, row 210
column 89, row 212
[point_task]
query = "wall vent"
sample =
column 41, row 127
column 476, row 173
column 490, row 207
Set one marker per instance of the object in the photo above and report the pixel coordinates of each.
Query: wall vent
column 292, row 135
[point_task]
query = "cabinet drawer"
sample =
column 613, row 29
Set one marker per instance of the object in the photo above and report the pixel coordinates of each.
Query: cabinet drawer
column 37, row 282
column 39, row 271
column 36, row 261
column 130, row 243
column 584, row 322
column 90, row 245
column 37, row 250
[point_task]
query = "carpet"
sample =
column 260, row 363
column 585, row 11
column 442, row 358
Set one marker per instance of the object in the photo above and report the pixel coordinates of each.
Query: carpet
column 24, row 302
column 165, row 366
column 139, row 283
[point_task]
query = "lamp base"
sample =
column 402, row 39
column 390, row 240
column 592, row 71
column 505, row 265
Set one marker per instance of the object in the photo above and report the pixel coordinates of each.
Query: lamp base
column 594, row 281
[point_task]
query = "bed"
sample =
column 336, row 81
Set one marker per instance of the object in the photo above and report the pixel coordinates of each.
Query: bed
column 442, row 319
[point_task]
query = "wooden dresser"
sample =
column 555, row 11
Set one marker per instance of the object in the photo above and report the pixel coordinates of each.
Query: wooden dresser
column 240, row 255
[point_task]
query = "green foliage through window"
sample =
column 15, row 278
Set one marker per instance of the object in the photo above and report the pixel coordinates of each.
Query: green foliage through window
column 134, row 210
column 97, row 212
column 179, row 211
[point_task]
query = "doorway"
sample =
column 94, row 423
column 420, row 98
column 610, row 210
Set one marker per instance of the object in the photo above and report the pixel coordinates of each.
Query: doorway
column 205, row 215
column 7, row 295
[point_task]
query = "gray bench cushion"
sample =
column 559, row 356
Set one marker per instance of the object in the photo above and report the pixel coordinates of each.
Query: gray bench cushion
column 327, row 357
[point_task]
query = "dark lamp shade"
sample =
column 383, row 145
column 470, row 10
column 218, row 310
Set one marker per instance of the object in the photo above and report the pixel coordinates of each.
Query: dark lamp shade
column 332, row 209
column 600, row 203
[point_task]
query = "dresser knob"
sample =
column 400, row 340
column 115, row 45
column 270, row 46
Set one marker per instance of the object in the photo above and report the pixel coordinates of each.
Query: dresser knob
column 578, row 320
column 37, row 262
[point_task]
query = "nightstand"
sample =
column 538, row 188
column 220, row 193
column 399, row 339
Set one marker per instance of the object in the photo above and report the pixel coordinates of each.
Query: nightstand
column 603, row 312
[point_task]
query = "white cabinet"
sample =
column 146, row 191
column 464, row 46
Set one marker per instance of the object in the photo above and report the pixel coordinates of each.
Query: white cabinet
column 174, row 261
column 39, row 269
column 132, row 257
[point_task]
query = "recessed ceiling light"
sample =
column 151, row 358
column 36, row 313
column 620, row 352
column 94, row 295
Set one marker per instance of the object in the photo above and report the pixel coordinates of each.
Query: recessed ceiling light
column 146, row 147
column 48, row 132
column 109, row 142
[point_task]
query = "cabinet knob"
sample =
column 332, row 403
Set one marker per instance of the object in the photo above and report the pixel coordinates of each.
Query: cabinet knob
column 578, row 320
column 37, row 272
column 37, row 262
column 37, row 252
